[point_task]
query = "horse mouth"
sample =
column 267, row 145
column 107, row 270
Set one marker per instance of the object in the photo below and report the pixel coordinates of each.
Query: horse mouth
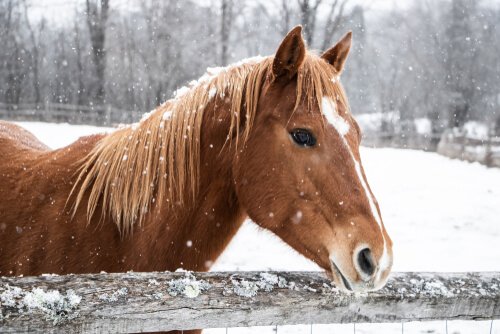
column 345, row 282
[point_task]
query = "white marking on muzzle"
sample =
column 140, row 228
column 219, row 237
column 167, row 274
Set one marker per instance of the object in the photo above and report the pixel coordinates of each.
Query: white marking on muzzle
column 342, row 127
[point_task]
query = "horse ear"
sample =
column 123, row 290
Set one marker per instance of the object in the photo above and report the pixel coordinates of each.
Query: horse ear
column 290, row 54
column 337, row 55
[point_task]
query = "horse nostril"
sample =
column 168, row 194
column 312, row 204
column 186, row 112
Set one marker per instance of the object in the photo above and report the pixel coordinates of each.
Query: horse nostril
column 365, row 261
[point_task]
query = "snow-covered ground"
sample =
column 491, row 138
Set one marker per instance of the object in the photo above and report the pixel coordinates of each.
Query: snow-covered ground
column 60, row 134
column 442, row 215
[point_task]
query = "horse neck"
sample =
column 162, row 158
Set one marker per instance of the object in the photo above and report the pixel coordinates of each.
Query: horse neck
column 192, row 236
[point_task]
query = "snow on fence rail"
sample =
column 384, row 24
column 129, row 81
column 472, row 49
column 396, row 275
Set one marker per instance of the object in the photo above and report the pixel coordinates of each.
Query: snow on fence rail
column 137, row 302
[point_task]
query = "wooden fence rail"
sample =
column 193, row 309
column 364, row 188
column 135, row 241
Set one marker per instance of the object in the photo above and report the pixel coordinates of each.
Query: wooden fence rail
column 137, row 302
column 484, row 151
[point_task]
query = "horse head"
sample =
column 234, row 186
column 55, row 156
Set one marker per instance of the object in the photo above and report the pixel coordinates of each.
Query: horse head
column 299, row 173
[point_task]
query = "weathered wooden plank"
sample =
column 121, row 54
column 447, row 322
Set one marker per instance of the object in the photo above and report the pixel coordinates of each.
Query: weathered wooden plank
column 137, row 302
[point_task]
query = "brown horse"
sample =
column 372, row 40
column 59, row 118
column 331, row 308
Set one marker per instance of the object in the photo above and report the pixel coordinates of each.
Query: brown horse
column 270, row 138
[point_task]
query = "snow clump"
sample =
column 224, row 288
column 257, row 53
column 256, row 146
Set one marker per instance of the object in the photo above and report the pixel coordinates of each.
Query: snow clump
column 188, row 286
column 267, row 283
column 55, row 306
column 110, row 298
column 244, row 288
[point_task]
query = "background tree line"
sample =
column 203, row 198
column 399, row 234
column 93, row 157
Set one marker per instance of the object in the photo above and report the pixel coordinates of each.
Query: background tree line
column 436, row 59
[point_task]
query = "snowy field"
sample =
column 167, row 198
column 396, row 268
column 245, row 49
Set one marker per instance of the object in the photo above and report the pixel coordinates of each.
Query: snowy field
column 442, row 215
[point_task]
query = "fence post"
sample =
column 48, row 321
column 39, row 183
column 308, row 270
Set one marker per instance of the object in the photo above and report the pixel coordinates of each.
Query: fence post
column 108, row 114
column 46, row 113
column 488, row 156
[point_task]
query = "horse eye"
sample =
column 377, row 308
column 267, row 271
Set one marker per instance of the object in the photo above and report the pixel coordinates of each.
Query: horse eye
column 303, row 137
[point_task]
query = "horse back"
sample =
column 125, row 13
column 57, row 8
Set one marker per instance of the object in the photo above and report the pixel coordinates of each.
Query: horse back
column 35, row 183
column 14, row 137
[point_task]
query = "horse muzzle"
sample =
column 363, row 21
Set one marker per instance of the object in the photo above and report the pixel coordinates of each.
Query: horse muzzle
column 366, row 272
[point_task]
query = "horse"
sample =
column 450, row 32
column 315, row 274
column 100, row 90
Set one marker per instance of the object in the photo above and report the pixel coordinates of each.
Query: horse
column 270, row 138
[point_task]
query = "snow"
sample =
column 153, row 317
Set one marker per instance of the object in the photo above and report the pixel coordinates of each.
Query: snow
column 442, row 215
column 182, row 91
column 371, row 123
column 249, row 60
column 423, row 126
column 167, row 115
column 10, row 296
column 212, row 92
column 153, row 282
column 187, row 286
column 215, row 71
column 113, row 297
column 210, row 74
column 476, row 130
column 57, row 135
column 51, row 300
column 56, row 307
column 298, row 217
column 267, row 282
column 244, row 288
column 146, row 115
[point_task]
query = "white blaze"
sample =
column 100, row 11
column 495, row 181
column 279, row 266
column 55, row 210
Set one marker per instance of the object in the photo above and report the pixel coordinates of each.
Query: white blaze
column 340, row 124
column 342, row 127
column 367, row 192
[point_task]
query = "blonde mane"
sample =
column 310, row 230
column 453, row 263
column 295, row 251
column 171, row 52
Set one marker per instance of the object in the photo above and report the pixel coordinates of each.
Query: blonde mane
column 158, row 160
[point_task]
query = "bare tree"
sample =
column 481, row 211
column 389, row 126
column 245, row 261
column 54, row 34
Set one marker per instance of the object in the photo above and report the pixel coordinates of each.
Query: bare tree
column 226, row 25
column 308, row 10
column 334, row 20
column 436, row 59
column 97, row 15
column 77, row 42
column 286, row 15
column 35, row 51
column 460, row 60
column 12, row 52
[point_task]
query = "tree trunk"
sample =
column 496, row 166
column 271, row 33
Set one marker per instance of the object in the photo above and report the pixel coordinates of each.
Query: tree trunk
column 286, row 16
column 35, row 53
column 308, row 13
column 96, row 21
column 79, row 64
column 333, row 22
column 226, row 22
